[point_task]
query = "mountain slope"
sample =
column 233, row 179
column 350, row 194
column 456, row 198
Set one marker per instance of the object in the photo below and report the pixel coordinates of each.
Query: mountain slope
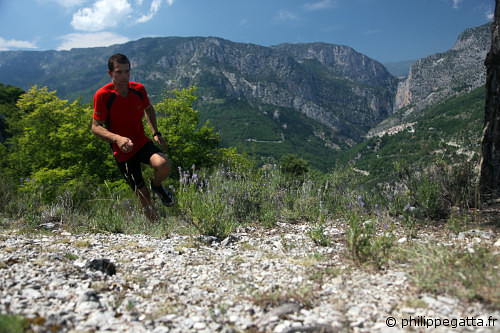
column 316, row 100
column 310, row 99
column 441, row 76
column 443, row 131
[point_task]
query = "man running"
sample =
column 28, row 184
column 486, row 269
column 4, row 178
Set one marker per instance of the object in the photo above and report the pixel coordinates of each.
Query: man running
column 119, row 107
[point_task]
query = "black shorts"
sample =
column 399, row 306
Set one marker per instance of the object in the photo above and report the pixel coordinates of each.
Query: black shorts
column 131, row 168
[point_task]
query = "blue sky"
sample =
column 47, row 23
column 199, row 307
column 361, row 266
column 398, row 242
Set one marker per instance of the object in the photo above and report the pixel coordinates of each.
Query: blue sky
column 386, row 30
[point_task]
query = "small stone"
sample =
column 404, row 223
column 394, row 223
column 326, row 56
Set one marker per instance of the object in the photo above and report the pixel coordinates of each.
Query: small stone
column 475, row 233
column 408, row 310
column 161, row 329
column 103, row 265
column 31, row 293
column 280, row 328
column 199, row 326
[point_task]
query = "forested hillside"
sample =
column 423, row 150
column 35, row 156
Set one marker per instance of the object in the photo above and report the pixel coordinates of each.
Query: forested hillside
column 449, row 130
column 8, row 98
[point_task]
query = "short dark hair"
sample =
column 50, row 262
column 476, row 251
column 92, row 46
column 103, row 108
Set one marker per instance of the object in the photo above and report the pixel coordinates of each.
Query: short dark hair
column 119, row 58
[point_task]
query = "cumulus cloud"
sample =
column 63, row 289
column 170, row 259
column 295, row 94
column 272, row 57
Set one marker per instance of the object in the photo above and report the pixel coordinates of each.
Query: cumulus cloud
column 99, row 39
column 102, row 15
column 155, row 7
column 6, row 45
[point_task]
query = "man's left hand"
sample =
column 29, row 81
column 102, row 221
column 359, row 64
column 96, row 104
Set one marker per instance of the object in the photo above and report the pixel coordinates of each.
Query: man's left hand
column 161, row 141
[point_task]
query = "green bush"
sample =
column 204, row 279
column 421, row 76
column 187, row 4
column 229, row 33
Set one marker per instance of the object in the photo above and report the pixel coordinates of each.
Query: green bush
column 13, row 324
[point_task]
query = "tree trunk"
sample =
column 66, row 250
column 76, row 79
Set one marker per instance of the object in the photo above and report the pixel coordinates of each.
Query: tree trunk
column 489, row 183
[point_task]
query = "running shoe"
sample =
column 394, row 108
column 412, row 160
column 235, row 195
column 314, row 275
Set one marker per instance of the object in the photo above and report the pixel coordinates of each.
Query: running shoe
column 166, row 197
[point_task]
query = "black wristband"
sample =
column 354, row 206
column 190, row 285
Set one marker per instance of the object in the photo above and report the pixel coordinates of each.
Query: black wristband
column 156, row 134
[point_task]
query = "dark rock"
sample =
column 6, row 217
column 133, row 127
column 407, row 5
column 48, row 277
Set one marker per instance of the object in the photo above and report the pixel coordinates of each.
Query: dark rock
column 103, row 265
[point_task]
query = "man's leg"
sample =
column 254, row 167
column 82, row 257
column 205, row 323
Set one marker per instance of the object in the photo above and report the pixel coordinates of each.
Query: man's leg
column 146, row 204
column 131, row 171
column 161, row 167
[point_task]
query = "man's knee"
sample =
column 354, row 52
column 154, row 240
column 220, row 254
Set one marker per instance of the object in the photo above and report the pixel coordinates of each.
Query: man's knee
column 160, row 162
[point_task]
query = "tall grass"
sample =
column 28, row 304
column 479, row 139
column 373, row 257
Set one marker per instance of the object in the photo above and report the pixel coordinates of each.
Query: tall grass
column 215, row 201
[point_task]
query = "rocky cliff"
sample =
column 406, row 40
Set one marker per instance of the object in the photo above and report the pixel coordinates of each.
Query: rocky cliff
column 442, row 75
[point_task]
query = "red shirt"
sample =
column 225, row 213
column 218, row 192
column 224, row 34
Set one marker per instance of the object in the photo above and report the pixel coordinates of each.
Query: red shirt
column 125, row 116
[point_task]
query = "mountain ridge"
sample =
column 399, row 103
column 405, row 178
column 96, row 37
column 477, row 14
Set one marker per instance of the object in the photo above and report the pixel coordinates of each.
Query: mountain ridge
column 440, row 76
column 315, row 99
column 342, row 91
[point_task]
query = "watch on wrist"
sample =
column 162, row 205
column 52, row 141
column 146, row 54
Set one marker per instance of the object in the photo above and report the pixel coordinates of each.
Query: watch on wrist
column 156, row 134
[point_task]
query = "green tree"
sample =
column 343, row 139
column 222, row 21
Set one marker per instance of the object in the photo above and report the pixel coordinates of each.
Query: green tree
column 188, row 143
column 52, row 143
column 293, row 165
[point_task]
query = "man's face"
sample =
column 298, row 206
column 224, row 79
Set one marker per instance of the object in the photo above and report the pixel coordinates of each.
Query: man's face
column 121, row 74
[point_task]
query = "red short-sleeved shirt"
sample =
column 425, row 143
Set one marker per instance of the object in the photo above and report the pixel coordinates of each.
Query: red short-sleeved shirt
column 125, row 116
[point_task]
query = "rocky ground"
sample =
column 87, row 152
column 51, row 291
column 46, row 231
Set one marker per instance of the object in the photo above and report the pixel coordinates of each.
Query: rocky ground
column 257, row 280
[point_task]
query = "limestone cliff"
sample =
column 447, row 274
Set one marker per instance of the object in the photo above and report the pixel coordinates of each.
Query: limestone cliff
column 440, row 76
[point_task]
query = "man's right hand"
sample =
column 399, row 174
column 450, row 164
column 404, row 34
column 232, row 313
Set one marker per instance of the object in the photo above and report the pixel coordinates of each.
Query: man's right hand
column 125, row 144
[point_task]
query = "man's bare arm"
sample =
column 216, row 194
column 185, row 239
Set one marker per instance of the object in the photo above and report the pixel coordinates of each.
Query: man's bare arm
column 125, row 144
column 151, row 118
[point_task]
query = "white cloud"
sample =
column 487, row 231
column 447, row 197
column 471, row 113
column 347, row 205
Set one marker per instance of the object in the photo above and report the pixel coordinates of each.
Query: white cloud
column 284, row 15
column 319, row 5
column 85, row 40
column 155, row 7
column 103, row 14
column 456, row 4
column 16, row 44
column 489, row 14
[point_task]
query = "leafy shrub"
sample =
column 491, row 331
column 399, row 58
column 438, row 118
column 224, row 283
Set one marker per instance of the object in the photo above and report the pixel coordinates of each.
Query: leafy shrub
column 365, row 244
column 188, row 143
column 13, row 324
column 293, row 165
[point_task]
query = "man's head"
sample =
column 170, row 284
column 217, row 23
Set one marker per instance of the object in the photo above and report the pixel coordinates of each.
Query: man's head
column 119, row 70
column 117, row 58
